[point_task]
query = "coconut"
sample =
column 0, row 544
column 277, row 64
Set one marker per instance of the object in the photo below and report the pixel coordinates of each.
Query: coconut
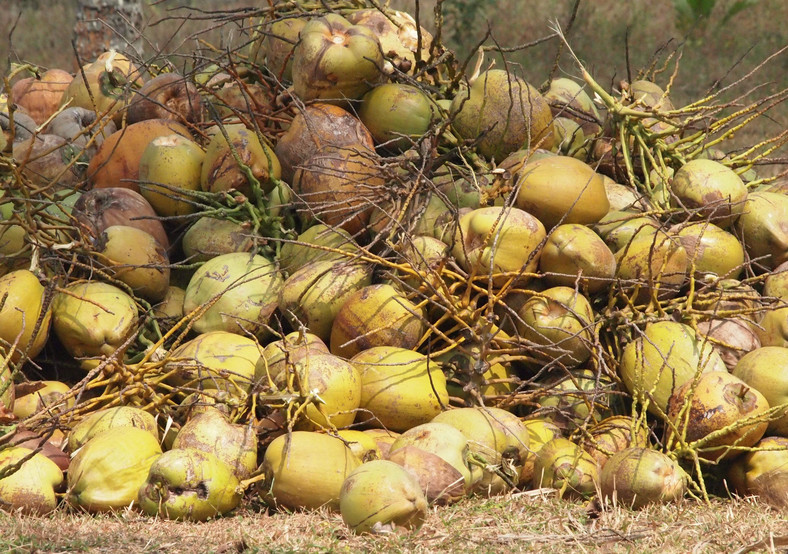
column 166, row 96
column 451, row 446
column 233, row 151
column 376, row 315
column 540, row 432
column 24, row 318
column 402, row 41
column 363, row 445
column 732, row 338
column 336, row 383
column 499, row 240
column 772, row 327
column 49, row 161
column 233, row 444
column 711, row 250
column 613, row 435
column 171, row 166
column 575, row 398
column 274, row 44
column 666, row 356
column 239, row 293
column 335, row 60
column 296, row 478
column 97, row 209
column 563, row 465
column 318, row 242
column 93, row 318
column 216, row 360
column 635, row 477
column 117, row 161
column 82, row 128
column 209, row 237
column 652, row 264
column 399, row 388
column 624, row 198
column 382, row 495
column 561, row 189
column 108, row 471
column 618, row 227
column 30, row 489
column 38, row 396
column 312, row 296
column 713, row 402
column 463, row 380
column 558, row 323
column 169, row 311
column 712, row 191
column 327, row 190
column 286, row 352
column 763, row 230
column 575, row 253
column 99, row 421
column 497, row 438
column 440, row 481
column 315, row 127
column 776, row 284
column 763, row 472
column 503, row 112
column 133, row 257
column 189, row 484
column 383, row 439
column 397, row 115
column 765, row 369
column 568, row 98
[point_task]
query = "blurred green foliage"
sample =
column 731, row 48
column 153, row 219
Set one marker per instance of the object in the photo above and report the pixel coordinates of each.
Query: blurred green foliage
column 693, row 13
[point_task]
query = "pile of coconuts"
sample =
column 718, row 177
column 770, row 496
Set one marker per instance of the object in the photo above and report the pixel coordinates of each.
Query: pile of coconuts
column 339, row 268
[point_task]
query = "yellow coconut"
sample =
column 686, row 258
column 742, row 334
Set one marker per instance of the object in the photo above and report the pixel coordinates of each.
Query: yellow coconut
column 297, row 478
column 216, row 360
column 190, row 484
column 561, row 189
column 108, row 471
column 24, row 319
column 376, row 315
column 399, row 388
column 99, row 421
column 30, row 489
column 663, row 358
column 93, row 318
column 382, row 495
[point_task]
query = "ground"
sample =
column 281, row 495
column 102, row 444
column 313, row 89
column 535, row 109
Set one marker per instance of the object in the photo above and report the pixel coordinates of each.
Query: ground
column 532, row 521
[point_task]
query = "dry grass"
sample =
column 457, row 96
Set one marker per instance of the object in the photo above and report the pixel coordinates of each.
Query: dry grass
column 518, row 523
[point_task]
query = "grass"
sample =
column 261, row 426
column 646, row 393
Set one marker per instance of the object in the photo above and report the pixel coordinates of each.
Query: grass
column 525, row 522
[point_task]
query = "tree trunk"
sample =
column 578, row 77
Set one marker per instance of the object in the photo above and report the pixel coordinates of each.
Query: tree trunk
column 108, row 25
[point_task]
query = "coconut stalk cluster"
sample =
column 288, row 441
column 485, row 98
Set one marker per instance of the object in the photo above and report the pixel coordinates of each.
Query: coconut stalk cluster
column 338, row 267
